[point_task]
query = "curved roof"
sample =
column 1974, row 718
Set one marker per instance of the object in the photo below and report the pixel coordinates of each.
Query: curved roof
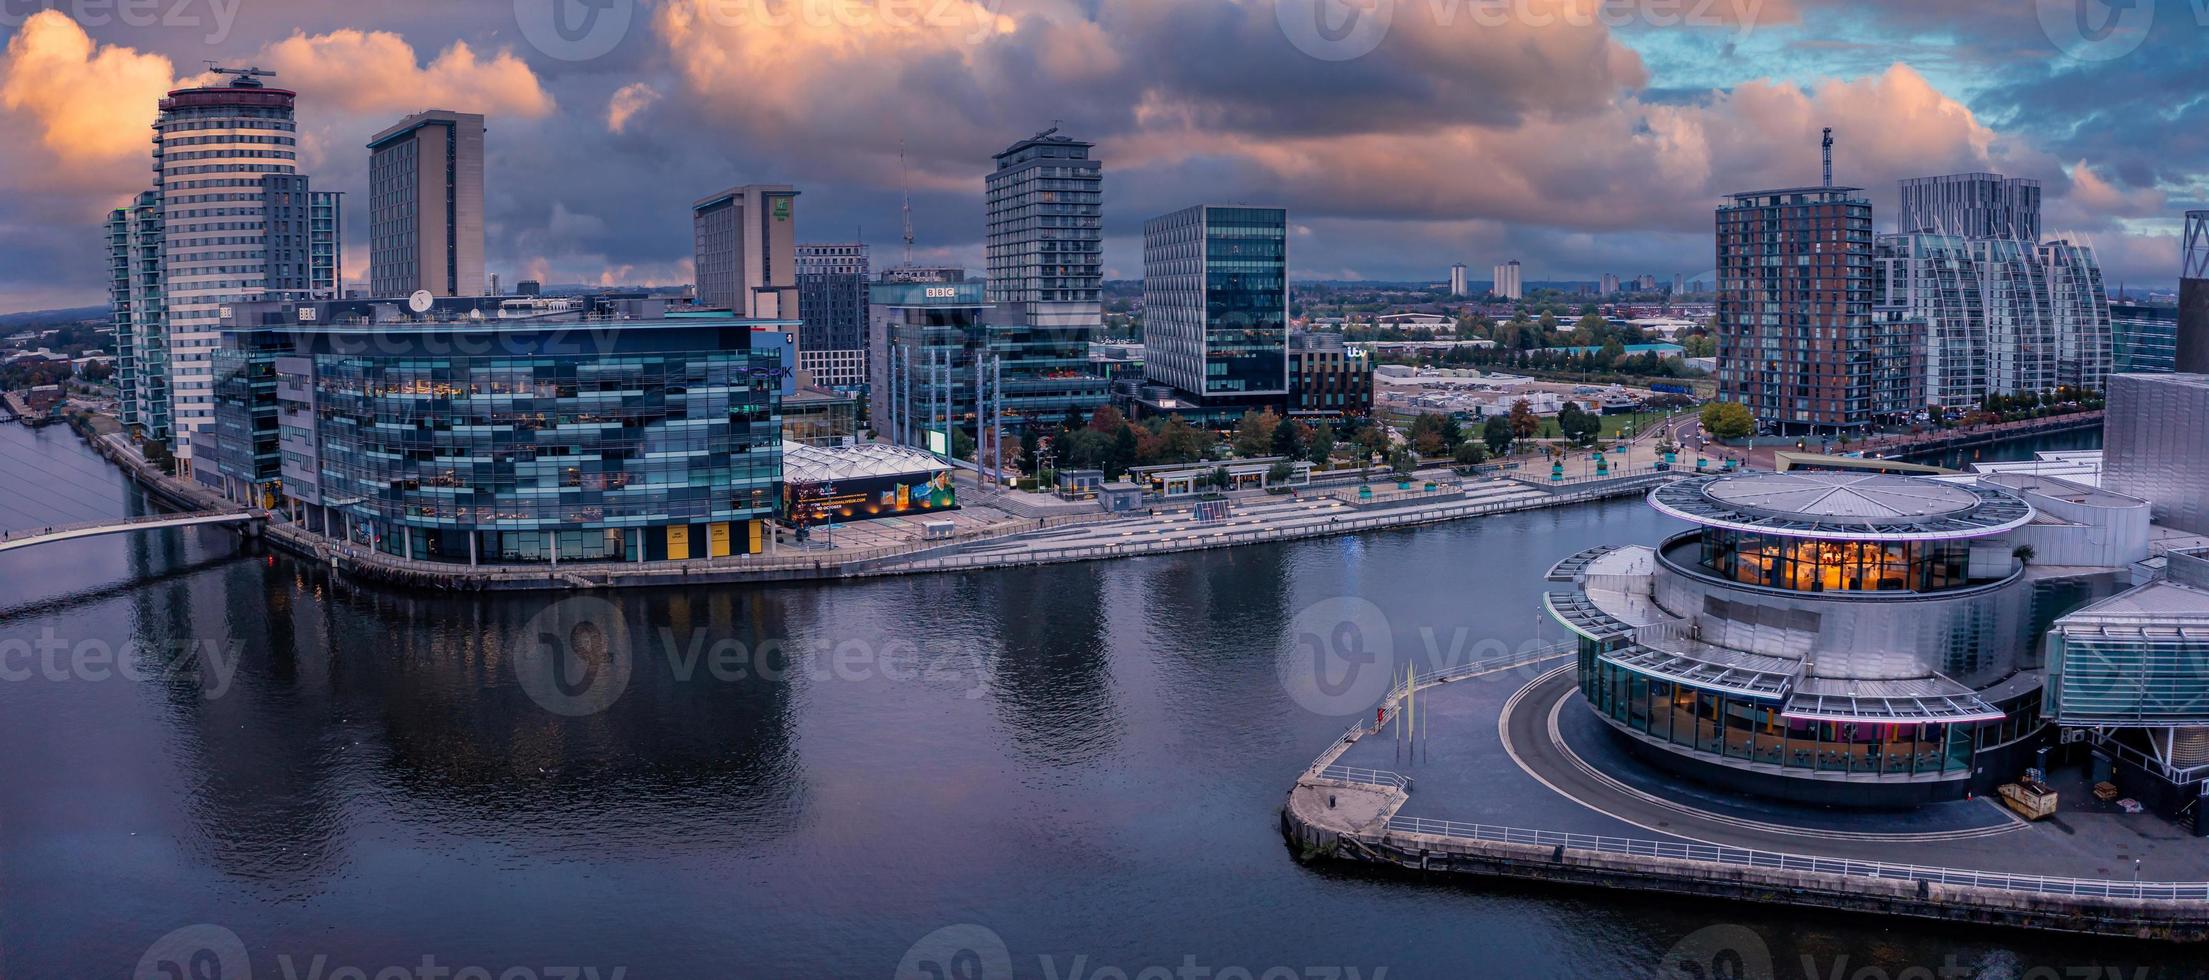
column 1844, row 506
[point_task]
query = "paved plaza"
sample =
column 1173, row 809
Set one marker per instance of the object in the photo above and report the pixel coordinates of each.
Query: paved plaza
column 1518, row 748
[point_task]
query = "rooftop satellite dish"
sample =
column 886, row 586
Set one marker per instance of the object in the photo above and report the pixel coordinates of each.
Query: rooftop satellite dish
column 421, row 301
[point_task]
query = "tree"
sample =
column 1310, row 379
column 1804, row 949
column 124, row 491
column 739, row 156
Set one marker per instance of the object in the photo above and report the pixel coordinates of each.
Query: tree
column 1579, row 426
column 1323, row 445
column 157, row 453
column 1031, row 452
column 1498, row 434
column 1568, row 420
column 1086, row 449
column 1728, row 420
column 1453, row 435
column 1524, row 424
column 1122, row 454
column 1403, row 462
column 1280, row 473
column 1254, row 434
column 1180, row 442
column 1373, row 439
column 1426, row 434
column 1288, row 439
column 1107, row 420
column 1469, row 454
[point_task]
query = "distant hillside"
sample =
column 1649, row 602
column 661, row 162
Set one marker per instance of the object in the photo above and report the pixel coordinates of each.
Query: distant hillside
column 12, row 322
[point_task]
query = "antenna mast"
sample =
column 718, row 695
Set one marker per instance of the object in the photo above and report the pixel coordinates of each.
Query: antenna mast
column 907, row 176
column 1829, row 156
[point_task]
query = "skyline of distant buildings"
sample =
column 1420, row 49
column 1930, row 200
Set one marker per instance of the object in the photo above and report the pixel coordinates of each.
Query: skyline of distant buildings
column 1507, row 282
column 1820, row 323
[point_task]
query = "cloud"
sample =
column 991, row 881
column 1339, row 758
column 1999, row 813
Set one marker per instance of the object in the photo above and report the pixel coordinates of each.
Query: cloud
column 1579, row 135
column 627, row 102
column 372, row 72
column 90, row 104
column 2092, row 195
column 1631, row 166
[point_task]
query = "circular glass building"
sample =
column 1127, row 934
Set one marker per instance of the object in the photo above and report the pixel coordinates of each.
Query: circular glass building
column 1827, row 637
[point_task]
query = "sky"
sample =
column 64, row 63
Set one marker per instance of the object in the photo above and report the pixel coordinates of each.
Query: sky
column 1577, row 136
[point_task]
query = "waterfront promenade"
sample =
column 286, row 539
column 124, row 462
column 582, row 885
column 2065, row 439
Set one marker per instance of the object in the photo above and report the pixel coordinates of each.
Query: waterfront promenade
column 1510, row 776
column 988, row 533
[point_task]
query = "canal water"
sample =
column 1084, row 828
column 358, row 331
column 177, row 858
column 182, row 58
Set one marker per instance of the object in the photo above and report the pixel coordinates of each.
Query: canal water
column 213, row 756
column 2022, row 448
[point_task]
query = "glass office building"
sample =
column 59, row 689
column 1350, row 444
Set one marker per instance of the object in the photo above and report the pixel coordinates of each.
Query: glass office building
column 1827, row 637
column 491, row 442
column 2144, row 339
column 926, row 336
column 1215, row 305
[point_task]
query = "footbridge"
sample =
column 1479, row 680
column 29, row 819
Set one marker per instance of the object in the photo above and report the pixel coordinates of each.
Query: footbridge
column 29, row 537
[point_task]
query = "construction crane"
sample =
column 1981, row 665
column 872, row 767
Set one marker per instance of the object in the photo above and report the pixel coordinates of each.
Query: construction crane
column 241, row 77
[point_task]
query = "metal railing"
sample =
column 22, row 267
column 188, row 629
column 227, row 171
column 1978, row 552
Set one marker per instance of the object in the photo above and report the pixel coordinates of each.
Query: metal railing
column 1222, row 539
column 182, row 519
column 1371, row 777
column 1364, row 725
column 1743, row 857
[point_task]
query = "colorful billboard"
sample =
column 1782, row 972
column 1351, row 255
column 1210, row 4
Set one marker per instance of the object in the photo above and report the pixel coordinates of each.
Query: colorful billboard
column 868, row 498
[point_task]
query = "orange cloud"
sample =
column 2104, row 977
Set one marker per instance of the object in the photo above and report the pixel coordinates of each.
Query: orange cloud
column 2098, row 198
column 1632, row 165
column 377, row 72
column 91, row 105
column 626, row 103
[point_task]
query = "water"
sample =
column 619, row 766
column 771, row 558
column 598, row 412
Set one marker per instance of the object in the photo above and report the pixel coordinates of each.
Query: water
column 1087, row 762
column 2015, row 449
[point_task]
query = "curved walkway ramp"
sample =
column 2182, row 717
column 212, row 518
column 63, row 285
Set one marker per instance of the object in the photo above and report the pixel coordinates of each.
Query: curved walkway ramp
column 12, row 540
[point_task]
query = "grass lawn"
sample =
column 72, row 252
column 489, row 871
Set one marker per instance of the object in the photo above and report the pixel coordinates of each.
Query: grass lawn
column 1612, row 425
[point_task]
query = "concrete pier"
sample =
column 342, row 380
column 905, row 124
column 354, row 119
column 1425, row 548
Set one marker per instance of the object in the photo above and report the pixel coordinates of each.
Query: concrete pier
column 1503, row 783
